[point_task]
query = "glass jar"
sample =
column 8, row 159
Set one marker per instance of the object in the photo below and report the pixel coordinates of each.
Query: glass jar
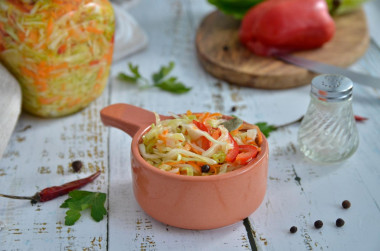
column 60, row 51
column 328, row 130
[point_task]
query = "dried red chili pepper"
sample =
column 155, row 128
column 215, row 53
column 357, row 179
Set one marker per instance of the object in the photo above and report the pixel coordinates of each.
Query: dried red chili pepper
column 360, row 118
column 50, row 193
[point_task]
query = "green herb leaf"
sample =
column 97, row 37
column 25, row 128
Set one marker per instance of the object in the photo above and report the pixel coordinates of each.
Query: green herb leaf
column 164, row 71
column 127, row 78
column 265, row 128
column 172, row 85
column 71, row 217
column 135, row 70
column 81, row 200
column 159, row 79
column 98, row 210
column 232, row 124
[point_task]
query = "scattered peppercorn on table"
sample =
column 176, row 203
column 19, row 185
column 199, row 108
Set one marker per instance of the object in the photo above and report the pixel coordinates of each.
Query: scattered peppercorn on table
column 307, row 206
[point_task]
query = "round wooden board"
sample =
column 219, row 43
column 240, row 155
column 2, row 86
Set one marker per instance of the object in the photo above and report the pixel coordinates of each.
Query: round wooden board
column 223, row 56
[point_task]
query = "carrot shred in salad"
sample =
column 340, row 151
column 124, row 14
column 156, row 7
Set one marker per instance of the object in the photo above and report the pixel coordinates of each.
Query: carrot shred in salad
column 200, row 144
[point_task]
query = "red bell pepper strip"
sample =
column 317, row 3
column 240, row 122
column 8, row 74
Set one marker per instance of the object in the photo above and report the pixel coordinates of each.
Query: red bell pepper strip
column 203, row 142
column 246, row 154
column 232, row 153
column 200, row 125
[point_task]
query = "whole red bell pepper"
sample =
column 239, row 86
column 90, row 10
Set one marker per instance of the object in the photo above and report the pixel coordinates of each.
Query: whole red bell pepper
column 282, row 26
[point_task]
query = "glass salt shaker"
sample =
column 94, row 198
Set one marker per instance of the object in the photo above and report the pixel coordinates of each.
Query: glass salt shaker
column 328, row 130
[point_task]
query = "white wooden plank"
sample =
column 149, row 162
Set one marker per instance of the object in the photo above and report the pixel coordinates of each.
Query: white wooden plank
column 171, row 38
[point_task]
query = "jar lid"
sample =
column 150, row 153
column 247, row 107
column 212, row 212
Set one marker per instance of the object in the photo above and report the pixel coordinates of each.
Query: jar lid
column 331, row 87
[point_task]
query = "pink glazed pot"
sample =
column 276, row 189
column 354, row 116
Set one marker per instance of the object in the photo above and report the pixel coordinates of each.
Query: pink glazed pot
column 191, row 202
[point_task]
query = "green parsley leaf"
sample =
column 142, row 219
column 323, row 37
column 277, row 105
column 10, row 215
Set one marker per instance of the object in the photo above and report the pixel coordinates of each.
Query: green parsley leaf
column 98, row 209
column 81, row 200
column 127, row 78
column 172, row 85
column 164, row 71
column 160, row 79
column 71, row 217
column 265, row 128
column 232, row 124
column 135, row 70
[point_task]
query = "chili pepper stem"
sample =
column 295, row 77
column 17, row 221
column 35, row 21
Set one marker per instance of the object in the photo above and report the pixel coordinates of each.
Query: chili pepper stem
column 357, row 118
column 290, row 123
column 18, row 197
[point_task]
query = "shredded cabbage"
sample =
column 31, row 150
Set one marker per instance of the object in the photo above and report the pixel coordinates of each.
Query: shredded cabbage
column 194, row 144
column 59, row 50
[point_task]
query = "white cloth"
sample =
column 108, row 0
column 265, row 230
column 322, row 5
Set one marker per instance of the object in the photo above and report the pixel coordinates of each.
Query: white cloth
column 129, row 37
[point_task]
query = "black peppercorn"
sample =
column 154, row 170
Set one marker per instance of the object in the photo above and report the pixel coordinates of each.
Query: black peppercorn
column 293, row 229
column 205, row 168
column 318, row 224
column 339, row 222
column 233, row 109
column 346, row 204
column 226, row 48
column 77, row 165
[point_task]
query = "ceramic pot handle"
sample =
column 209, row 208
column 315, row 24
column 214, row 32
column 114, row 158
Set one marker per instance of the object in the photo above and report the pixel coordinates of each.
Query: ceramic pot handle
column 127, row 117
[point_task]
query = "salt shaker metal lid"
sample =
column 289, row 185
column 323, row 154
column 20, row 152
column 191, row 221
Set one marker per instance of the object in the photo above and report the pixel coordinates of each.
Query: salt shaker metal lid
column 331, row 87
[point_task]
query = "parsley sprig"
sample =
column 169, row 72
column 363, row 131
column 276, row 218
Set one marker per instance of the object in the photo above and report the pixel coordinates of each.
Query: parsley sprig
column 81, row 200
column 160, row 79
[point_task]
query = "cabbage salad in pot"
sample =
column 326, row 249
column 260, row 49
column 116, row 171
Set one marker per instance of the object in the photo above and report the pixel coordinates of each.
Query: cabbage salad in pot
column 200, row 144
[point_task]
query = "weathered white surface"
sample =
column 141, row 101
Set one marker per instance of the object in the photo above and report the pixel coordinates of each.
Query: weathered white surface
column 10, row 106
column 39, row 156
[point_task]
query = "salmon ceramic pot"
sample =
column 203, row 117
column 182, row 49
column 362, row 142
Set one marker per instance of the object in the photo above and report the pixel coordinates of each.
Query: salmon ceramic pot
column 190, row 202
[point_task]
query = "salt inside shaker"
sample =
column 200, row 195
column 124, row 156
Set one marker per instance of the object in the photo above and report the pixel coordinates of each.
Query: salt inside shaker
column 328, row 130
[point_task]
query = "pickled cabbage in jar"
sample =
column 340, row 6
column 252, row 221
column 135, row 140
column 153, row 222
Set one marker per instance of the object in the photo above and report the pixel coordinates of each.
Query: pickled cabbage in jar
column 60, row 51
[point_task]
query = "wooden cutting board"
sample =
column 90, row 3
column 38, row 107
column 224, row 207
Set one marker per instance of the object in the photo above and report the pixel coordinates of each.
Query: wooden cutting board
column 222, row 55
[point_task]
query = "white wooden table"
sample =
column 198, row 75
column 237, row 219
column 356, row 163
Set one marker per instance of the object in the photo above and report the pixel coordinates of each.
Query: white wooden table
column 299, row 192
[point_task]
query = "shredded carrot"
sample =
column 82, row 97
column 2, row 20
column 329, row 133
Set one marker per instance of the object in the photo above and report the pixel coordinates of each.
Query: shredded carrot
column 197, row 168
column 41, row 85
column 33, row 35
column 216, row 114
column 49, row 27
column 21, row 36
column 172, row 163
column 94, row 30
column 62, row 49
column 100, row 73
column 46, row 101
column 97, row 86
column 204, row 117
column 187, row 146
column 259, row 138
column 94, row 62
column 195, row 150
column 215, row 168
